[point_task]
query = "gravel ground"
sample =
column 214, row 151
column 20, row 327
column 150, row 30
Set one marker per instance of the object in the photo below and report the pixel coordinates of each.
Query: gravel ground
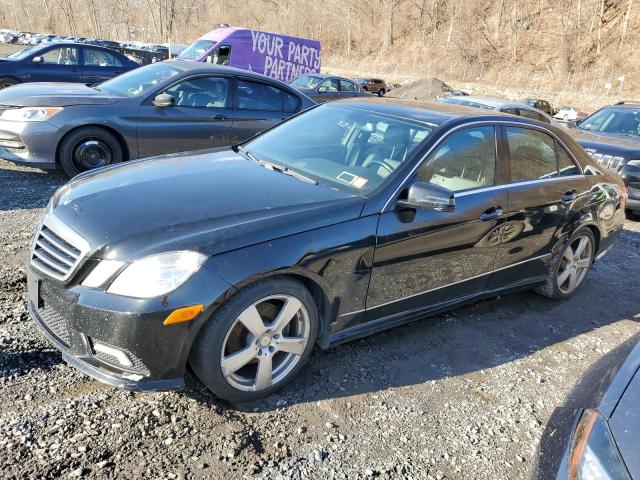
column 460, row 395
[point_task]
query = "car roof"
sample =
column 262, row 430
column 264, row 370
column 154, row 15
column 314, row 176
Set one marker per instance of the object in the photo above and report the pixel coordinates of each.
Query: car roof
column 496, row 102
column 199, row 67
column 431, row 113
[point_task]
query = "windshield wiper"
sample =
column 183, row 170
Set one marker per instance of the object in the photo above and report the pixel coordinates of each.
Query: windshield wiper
column 245, row 152
column 273, row 166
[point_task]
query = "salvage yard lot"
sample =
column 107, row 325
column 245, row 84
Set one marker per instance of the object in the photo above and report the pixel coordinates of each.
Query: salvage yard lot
column 467, row 391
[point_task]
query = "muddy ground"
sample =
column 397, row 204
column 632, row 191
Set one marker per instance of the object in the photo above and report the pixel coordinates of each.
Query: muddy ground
column 461, row 395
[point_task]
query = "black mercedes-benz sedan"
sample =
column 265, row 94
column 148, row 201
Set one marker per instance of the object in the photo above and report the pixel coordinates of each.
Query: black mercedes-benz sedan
column 595, row 434
column 347, row 219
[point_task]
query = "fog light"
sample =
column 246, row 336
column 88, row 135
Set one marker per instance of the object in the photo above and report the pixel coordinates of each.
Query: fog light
column 122, row 357
column 184, row 314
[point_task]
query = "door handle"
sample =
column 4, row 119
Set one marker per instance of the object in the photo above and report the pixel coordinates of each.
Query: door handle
column 569, row 196
column 491, row 213
column 219, row 117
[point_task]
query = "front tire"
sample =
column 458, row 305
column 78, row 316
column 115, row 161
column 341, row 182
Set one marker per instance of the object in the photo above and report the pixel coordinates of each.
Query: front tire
column 87, row 149
column 6, row 82
column 569, row 268
column 258, row 341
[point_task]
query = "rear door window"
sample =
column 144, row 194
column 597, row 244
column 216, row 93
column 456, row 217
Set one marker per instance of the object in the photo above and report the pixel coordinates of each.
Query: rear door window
column 566, row 166
column 98, row 58
column 259, row 96
column 347, row 86
column 533, row 154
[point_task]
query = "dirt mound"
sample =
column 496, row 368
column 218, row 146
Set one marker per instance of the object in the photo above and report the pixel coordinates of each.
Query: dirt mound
column 424, row 89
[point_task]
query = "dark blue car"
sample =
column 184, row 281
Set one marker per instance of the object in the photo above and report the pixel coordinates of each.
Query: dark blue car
column 63, row 62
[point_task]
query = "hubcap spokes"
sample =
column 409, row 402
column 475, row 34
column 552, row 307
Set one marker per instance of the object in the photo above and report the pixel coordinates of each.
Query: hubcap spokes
column 273, row 334
column 574, row 264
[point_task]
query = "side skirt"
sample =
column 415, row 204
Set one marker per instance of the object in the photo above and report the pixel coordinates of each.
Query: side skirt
column 390, row 321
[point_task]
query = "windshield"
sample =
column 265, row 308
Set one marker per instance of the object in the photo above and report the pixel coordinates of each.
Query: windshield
column 345, row 147
column 24, row 53
column 197, row 49
column 307, row 81
column 139, row 80
column 613, row 120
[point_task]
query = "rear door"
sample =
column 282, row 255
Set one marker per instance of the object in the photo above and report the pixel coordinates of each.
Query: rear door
column 99, row 65
column 59, row 64
column 327, row 90
column 349, row 89
column 259, row 106
column 546, row 191
column 202, row 117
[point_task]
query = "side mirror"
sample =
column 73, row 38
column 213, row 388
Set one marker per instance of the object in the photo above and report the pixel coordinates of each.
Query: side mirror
column 573, row 123
column 37, row 59
column 322, row 90
column 164, row 100
column 427, row 196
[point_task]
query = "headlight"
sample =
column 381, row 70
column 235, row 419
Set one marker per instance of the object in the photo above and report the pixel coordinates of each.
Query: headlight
column 30, row 114
column 157, row 275
column 594, row 453
column 634, row 163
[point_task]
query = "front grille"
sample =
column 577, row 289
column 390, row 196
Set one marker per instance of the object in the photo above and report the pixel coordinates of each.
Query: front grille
column 57, row 250
column 55, row 323
column 609, row 162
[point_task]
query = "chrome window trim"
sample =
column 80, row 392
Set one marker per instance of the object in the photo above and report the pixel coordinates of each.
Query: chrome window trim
column 447, row 285
column 489, row 123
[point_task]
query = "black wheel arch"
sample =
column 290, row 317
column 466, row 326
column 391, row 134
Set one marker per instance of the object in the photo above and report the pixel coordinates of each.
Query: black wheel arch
column 327, row 310
column 107, row 128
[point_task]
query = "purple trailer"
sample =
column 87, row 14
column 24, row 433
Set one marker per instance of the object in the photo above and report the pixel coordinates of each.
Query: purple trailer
column 276, row 56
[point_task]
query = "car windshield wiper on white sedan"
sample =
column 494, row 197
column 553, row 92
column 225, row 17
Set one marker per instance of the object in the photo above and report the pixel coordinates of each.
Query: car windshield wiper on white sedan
column 274, row 166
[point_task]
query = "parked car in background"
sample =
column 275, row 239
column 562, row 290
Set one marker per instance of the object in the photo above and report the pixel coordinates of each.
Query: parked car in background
column 499, row 105
column 541, row 105
column 612, row 137
column 324, row 229
column 324, row 88
column 277, row 56
column 373, row 85
column 166, row 107
column 568, row 114
column 62, row 62
column 595, row 434
column 453, row 93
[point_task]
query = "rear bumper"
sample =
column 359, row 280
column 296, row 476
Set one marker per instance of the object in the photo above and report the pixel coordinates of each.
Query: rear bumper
column 29, row 143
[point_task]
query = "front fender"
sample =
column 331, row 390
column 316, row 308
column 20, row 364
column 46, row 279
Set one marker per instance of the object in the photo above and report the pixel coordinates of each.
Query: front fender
column 337, row 260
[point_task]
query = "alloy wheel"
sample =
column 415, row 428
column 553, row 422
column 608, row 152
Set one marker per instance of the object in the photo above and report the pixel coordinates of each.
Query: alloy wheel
column 265, row 343
column 574, row 264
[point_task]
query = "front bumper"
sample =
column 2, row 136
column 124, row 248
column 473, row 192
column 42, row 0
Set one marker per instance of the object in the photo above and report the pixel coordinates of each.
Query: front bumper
column 118, row 340
column 29, row 143
column 631, row 177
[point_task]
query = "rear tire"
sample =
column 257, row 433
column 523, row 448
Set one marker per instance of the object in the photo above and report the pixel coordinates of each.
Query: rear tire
column 381, row 92
column 569, row 267
column 89, row 148
column 243, row 339
column 6, row 82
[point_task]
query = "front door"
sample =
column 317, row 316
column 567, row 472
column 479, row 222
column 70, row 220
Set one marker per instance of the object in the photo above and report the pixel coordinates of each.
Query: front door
column 59, row 64
column 546, row 193
column 202, row 117
column 427, row 257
